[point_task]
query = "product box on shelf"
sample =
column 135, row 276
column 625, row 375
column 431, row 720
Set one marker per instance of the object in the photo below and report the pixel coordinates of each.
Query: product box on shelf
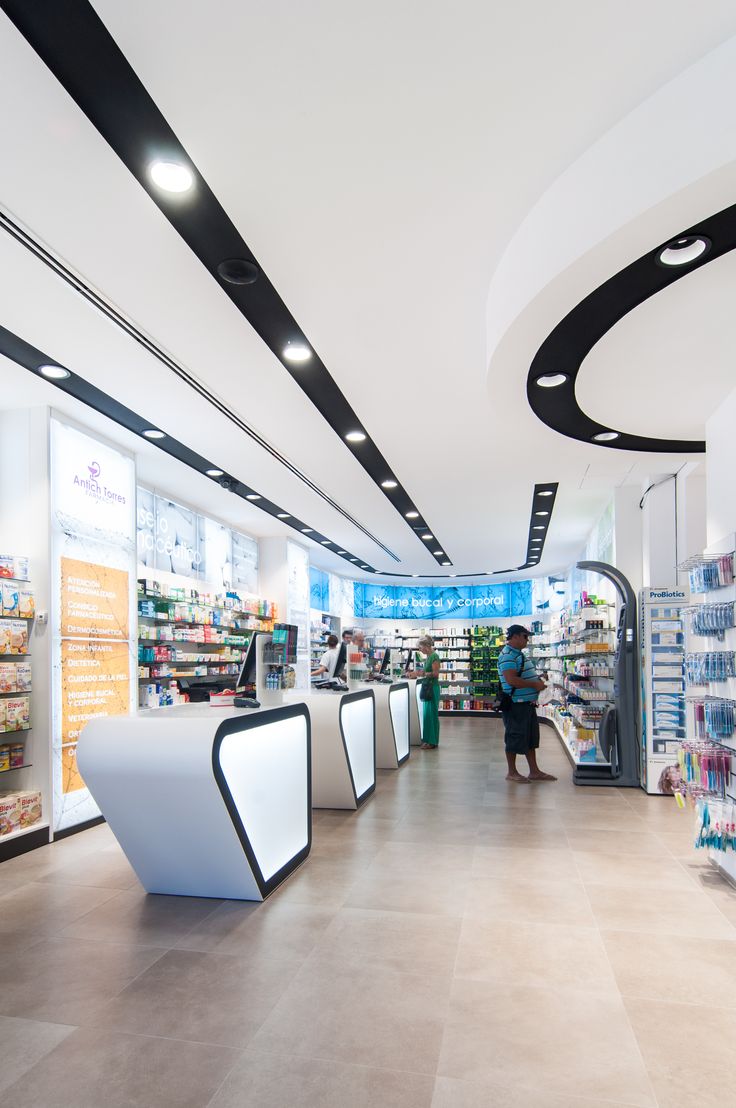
column 9, row 599
column 9, row 813
column 17, row 713
column 8, row 677
column 18, row 637
column 23, row 676
column 26, row 603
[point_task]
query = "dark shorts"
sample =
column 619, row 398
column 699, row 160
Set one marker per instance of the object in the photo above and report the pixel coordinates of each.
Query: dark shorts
column 522, row 728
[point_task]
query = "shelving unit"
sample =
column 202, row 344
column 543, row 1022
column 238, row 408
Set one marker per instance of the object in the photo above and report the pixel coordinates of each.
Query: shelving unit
column 172, row 620
column 21, row 808
column 577, row 656
column 319, row 629
column 455, row 667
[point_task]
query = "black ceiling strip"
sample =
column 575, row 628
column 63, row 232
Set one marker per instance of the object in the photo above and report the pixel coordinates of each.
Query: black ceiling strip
column 564, row 350
column 25, row 239
column 543, row 502
column 76, row 46
column 28, row 356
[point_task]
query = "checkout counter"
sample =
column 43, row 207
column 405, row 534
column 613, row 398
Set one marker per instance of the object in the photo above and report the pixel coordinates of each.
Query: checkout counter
column 343, row 746
column 205, row 801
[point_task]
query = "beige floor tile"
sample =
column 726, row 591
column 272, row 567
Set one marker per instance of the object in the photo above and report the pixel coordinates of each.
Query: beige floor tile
column 613, row 820
column 400, row 942
column 674, row 968
column 530, row 901
column 439, row 859
column 632, row 870
column 68, row 980
column 396, row 891
column 45, row 909
column 276, row 928
column 101, row 1069
column 527, row 1039
column 615, row 842
column 107, row 870
column 526, row 864
column 687, row 1050
column 283, row 1081
column 537, row 955
column 449, row 1092
column 361, row 1017
column 135, row 917
column 674, row 912
column 25, row 1042
column 205, row 998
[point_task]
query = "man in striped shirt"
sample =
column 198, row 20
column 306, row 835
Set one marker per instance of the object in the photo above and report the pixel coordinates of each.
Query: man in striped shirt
column 520, row 681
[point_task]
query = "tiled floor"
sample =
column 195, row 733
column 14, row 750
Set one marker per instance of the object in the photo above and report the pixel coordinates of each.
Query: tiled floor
column 460, row 942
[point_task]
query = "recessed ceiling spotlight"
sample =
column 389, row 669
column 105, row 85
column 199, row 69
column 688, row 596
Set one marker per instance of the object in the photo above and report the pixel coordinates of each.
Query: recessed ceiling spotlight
column 448, row 564
column 606, row 436
column 54, row 372
column 238, row 271
column 538, row 527
column 152, row 433
column 342, row 552
column 453, row 575
column 252, row 496
column 541, row 513
column 355, row 436
column 427, row 537
column 307, row 530
column 364, row 567
column 436, row 552
column 171, row 177
column 214, row 472
column 684, row 250
column 547, row 492
column 412, row 515
column 325, row 542
column 389, row 484
column 353, row 559
column 297, row 352
column 283, row 515
column 551, row 380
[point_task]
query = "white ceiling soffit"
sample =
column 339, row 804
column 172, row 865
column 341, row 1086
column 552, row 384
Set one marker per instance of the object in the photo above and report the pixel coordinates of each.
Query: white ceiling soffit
column 379, row 198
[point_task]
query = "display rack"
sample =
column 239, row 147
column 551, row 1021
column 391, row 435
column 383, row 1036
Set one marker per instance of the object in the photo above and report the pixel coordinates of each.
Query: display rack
column 577, row 657
column 21, row 809
column 453, row 646
column 320, row 626
column 188, row 635
column 710, row 639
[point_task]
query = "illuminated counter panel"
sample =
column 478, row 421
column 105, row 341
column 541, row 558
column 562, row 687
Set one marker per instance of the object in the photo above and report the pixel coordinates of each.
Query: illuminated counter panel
column 416, row 712
column 205, row 801
column 392, row 724
column 343, row 748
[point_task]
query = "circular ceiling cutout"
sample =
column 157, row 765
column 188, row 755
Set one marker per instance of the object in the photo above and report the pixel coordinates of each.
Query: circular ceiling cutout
column 565, row 348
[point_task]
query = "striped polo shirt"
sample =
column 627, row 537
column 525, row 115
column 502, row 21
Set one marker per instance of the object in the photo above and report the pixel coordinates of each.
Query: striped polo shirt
column 510, row 659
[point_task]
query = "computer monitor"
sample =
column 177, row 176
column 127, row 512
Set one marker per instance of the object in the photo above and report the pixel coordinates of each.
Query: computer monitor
column 342, row 657
column 409, row 660
column 247, row 674
column 385, row 661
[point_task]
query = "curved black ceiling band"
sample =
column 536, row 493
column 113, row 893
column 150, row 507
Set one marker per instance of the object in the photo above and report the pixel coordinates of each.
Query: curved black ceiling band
column 564, row 350
column 543, row 502
column 72, row 40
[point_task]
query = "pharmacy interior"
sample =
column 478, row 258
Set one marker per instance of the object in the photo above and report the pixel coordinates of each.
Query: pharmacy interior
column 130, row 603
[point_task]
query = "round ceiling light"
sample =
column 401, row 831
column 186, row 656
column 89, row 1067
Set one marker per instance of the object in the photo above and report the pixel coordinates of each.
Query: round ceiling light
column 427, row 537
column 448, row 564
column 684, row 250
column 364, row 567
column 356, row 436
column 437, row 552
column 551, row 380
column 547, row 492
column 307, row 530
column 389, row 484
column 238, row 271
column 297, row 352
column 606, row 436
column 342, row 552
column 325, row 542
column 214, row 472
column 353, row 559
column 171, row 177
column 283, row 515
column 54, row 372
column 152, row 433
column 252, row 496
column 412, row 515
column 541, row 513
column 539, row 527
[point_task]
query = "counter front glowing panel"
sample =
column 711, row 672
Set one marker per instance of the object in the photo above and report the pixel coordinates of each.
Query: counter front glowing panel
column 398, row 706
column 358, row 727
column 267, row 785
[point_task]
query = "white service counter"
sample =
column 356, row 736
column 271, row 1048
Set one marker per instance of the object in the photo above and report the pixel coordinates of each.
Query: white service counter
column 205, row 801
column 392, row 723
column 343, row 746
column 416, row 712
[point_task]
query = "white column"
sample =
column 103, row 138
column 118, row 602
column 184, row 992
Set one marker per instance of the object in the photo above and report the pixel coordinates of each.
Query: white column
column 659, row 559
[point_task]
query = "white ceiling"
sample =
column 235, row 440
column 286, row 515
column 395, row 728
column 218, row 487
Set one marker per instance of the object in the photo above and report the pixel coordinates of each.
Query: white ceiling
column 378, row 159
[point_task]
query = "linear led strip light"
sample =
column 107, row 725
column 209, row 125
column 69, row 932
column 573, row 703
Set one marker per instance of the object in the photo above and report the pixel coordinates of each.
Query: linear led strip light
column 38, row 363
column 77, row 47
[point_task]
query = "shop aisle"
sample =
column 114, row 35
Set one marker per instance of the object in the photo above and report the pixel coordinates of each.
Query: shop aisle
column 458, row 943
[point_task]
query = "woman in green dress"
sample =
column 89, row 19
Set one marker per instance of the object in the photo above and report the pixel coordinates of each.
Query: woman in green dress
column 430, row 675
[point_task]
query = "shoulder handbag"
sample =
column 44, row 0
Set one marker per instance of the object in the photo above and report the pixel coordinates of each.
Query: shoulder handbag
column 426, row 687
column 505, row 700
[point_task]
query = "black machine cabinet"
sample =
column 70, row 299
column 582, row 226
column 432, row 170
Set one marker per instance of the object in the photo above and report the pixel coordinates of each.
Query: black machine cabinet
column 619, row 732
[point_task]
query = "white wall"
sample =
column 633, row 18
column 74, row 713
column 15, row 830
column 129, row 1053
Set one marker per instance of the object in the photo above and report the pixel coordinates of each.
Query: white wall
column 720, row 437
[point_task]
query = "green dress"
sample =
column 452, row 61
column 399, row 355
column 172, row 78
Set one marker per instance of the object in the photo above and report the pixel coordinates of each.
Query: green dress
column 431, row 708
